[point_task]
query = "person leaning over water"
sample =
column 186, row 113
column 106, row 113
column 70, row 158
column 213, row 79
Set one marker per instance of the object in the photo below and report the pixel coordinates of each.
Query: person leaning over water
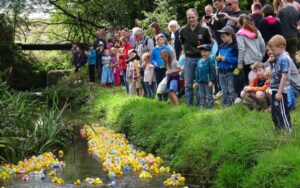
column 191, row 36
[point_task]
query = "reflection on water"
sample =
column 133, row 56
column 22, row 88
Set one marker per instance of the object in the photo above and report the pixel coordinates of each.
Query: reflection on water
column 80, row 165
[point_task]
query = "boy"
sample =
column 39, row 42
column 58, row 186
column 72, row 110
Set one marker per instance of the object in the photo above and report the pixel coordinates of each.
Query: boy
column 92, row 58
column 255, row 93
column 205, row 77
column 281, row 70
column 227, row 60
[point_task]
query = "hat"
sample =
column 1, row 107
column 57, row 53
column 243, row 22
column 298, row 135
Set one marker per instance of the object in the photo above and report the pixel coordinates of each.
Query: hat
column 227, row 29
column 206, row 47
column 161, row 35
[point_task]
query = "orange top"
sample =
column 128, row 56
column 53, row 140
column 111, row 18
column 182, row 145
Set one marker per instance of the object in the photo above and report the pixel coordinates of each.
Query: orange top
column 254, row 88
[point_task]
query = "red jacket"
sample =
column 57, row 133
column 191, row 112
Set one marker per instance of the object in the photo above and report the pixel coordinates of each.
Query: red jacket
column 124, row 56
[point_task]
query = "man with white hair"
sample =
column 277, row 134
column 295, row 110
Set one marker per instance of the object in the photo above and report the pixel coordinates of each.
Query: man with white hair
column 143, row 43
column 191, row 36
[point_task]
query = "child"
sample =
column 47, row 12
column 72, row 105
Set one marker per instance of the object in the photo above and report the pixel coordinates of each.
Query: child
column 149, row 77
column 205, row 76
column 227, row 62
column 92, row 58
column 77, row 62
column 107, row 75
column 132, row 73
column 172, row 73
column 279, row 84
column 115, row 66
column 255, row 93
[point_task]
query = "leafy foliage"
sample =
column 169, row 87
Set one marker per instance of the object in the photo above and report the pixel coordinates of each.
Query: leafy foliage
column 28, row 128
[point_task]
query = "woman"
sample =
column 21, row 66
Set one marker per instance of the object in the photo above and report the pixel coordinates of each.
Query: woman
column 155, row 30
column 175, row 42
column 251, row 45
column 123, row 56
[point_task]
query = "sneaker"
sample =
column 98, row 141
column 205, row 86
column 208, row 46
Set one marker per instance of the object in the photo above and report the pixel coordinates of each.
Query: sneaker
column 237, row 100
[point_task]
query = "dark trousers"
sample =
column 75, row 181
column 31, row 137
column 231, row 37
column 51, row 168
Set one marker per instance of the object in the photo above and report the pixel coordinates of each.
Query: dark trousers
column 246, row 69
column 92, row 72
column 280, row 113
column 239, row 83
column 291, row 47
column 160, row 75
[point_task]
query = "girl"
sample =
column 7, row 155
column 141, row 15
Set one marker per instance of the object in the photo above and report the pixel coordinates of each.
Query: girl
column 172, row 73
column 107, row 75
column 115, row 66
column 149, row 77
column 251, row 45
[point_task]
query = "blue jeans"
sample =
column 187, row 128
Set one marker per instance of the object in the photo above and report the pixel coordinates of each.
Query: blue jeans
column 125, row 81
column 189, row 77
column 150, row 89
column 204, row 96
column 227, row 86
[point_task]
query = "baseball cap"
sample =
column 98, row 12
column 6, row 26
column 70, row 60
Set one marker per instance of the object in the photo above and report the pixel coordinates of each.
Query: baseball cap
column 227, row 29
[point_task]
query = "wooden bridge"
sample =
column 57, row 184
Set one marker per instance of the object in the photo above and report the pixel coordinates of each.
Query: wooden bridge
column 49, row 47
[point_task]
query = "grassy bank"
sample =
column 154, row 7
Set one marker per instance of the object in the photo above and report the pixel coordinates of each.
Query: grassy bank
column 231, row 147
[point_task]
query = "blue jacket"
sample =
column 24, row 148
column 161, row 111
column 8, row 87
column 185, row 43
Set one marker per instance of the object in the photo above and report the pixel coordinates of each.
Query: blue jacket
column 92, row 57
column 230, row 52
column 205, row 71
column 155, row 55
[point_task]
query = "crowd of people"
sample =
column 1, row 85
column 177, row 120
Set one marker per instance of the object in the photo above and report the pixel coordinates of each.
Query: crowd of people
column 227, row 53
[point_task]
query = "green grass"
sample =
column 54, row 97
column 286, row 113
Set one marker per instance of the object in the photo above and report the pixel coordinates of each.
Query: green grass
column 230, row 147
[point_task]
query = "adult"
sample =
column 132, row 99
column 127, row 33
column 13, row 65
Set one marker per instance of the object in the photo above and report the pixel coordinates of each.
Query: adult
column 218, row 19
column 122, row 58
column 289, row 18
column 269, row 25
column 207, row 18
column 155, row 30
column 261, row 2
column 251, row 45
column 143, row 43
column 174, row 33
column 234, row 12
column 99, row 44
column 256, row 15
column 191, row 36
column 128, row 35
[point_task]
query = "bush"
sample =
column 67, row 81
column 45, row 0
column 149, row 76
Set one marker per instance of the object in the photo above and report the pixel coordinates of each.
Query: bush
column 27, row 127
column 219, row 147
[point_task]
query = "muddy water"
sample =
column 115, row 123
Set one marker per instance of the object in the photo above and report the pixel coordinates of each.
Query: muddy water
column 79, row 165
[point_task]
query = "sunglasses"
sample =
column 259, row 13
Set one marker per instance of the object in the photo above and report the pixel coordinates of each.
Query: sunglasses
column 229, row 4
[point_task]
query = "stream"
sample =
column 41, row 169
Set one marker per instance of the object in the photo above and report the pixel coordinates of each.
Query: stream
column 80, row 165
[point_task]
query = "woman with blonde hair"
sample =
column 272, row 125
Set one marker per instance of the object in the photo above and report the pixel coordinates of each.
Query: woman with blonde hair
column 174, row 27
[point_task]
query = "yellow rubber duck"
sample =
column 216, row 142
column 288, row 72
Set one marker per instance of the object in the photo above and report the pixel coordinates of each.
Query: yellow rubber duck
column 145, row 175
column 60, row 153
column 77, row 182
column 51, row 173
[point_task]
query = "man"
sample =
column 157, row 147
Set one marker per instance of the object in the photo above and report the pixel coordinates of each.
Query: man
column 289, row 18
column 233, row 14
column 191, row 36
column 218, row 20
column 143, row 43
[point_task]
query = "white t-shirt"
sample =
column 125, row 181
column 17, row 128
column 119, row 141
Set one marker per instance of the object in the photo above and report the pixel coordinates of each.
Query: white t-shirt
column 147, row 74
